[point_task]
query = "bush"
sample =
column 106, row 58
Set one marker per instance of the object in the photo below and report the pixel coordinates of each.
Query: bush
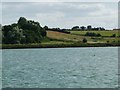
column 92, row 34
column 84, row 40
column 108, row 41
column 114, row 35
column 98, row 35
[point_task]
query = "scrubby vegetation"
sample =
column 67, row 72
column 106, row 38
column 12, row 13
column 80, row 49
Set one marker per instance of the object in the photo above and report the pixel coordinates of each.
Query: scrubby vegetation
column 92, row 34
column 84, row 40
column 58, row 30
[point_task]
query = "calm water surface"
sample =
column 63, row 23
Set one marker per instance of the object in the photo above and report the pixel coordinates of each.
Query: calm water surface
column 61, row 67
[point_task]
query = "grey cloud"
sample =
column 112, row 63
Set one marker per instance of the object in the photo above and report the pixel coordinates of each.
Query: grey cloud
column 54, row 14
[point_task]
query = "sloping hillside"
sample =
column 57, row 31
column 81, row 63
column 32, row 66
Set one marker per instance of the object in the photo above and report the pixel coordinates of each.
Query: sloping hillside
column 79, row 38
column 63, row 36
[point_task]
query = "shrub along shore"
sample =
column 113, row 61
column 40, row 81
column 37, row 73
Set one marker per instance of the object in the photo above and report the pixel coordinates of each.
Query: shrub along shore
column 23, row 46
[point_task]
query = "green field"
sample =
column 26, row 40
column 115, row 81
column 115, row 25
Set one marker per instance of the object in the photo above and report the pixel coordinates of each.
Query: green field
column 103, row 33
column 77, row 36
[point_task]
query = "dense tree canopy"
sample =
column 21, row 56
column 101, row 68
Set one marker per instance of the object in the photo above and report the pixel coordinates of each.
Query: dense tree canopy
column 25, row 31
column 75, row 27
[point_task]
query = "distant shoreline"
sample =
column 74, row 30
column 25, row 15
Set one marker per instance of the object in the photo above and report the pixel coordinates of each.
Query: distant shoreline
column 23, row 46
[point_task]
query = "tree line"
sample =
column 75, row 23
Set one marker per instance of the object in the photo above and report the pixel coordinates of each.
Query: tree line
column 89, row 27
column 75, row 28
column 67, row 31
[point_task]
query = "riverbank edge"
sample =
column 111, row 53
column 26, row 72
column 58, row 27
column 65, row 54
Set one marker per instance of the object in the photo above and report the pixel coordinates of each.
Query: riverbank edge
column 25, row 46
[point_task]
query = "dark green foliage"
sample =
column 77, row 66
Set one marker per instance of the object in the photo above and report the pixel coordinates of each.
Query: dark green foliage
column 92, row 34
column 89, row 27
column 10, row 35
column 108, row 41
column 114, row 35
column 22, row 22
column 25, row 31
column 84, row 40
column 46, row 27
column 6, row 29
column 83, row 28
column 75, row 27
column 43, row 32
column 98, row 34
column 60, row 30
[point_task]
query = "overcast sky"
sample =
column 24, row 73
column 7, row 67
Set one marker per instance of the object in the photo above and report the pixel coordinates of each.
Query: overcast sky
column 63, row 15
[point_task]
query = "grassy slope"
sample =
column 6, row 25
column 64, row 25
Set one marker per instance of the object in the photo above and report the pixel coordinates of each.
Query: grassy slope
column 64, row 36
column 103, row 33
column 77, row 36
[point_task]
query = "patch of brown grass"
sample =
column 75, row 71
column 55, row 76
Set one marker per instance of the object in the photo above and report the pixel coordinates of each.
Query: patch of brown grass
column 63, row 36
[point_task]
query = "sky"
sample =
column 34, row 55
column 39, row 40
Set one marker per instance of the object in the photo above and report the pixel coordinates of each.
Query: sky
column 63, row 14
column 59, row 0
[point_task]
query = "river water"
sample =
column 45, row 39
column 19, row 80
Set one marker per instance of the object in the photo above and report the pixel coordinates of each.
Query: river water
column 60, row 68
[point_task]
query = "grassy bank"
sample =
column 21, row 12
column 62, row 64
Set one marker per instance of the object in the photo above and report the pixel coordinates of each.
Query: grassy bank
column 106, row 33
column 60, row 45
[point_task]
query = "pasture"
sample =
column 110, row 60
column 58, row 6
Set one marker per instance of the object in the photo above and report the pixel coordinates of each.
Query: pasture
column 103, row 33
column 77, row 36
